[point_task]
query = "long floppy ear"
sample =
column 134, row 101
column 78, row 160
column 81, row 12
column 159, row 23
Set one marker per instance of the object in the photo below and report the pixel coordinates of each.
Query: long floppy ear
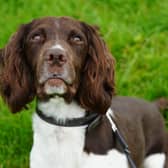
column 97, row 84
column 1, row 60
column 16, row 83
column 1, row 64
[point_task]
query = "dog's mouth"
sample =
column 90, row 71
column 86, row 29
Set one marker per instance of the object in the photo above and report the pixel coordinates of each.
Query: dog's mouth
column 55, row 82
column 55, row 86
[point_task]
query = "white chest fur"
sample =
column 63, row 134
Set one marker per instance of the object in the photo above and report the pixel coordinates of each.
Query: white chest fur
column 57, row 147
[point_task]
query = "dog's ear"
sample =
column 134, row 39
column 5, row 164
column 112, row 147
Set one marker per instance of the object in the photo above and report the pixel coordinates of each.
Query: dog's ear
column 16, row 82
column 1, row 59
column 97, row 85
column 1, row 63
column 1, row 53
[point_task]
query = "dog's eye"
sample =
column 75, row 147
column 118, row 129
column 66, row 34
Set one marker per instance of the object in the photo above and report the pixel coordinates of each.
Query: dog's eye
column 76, row 39
column 36, row 38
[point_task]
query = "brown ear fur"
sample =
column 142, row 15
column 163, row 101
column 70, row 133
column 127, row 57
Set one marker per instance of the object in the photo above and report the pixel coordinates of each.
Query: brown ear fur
column 16, row 81
column 1, row 60
column 97, row 85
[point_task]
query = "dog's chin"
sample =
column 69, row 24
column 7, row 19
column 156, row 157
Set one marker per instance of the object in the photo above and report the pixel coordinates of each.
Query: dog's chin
column 55, row 87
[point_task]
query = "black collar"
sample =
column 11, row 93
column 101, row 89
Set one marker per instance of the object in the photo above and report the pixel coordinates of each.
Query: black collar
column 90, row 120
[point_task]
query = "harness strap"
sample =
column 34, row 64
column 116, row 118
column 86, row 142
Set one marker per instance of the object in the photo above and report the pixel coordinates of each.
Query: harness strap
column 120, row 139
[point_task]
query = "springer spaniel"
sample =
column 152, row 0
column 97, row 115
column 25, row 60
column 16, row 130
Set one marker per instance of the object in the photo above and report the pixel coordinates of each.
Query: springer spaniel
column 66, row 65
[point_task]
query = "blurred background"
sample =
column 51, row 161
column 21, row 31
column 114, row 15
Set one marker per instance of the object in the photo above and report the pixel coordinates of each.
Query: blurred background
column 136, row 32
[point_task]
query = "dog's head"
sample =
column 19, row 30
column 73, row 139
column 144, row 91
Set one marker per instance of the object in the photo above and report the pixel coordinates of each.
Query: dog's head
column 57, row 56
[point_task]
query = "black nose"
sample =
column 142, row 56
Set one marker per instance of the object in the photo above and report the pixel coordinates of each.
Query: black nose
column 56, row 56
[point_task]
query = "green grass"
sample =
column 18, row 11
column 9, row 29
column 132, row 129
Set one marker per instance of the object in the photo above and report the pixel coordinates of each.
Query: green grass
column 136, row 32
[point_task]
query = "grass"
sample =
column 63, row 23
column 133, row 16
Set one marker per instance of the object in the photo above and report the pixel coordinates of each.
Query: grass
column 136, row 32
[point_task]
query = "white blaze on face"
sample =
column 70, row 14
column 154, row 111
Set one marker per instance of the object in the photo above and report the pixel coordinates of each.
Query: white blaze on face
column 57, row 46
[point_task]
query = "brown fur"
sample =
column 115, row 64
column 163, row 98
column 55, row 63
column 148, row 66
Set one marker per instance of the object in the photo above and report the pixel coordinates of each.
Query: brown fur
column 162, row 103
column 141, row 125
column 16, row 83
column 97, row 85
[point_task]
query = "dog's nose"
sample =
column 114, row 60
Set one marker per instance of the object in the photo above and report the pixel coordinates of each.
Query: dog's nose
column 56, row 56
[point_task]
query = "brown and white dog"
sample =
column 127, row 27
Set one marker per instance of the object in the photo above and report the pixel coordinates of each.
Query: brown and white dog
column 65, row 64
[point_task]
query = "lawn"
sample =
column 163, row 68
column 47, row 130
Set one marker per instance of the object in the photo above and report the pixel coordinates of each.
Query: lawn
column 136, row 31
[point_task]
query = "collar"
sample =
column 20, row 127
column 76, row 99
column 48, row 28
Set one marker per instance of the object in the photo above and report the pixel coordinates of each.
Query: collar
column 90, row 120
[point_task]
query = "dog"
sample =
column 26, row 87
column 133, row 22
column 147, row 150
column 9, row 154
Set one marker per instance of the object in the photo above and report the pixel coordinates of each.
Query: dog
column 67, row 66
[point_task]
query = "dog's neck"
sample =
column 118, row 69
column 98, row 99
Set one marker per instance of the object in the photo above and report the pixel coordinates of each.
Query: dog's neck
column 57, row 107
column 57, row 144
